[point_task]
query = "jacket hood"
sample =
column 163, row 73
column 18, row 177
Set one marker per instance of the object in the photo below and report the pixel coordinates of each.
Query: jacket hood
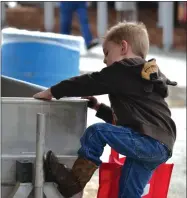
column 151, row 72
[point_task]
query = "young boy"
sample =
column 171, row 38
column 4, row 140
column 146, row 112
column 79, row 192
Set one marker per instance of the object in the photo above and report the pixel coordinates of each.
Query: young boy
column 144, row 131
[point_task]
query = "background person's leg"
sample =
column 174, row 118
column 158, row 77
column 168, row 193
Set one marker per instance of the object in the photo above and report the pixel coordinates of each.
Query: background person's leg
column 66, row 15
column 84, row 22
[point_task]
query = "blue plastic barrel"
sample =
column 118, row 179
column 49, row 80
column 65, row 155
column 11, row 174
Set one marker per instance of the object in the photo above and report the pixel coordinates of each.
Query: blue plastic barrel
column 38, row 57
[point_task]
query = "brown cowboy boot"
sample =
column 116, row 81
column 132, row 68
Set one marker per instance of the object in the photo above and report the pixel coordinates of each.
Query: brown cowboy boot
column 70, row 182
column 83, row 170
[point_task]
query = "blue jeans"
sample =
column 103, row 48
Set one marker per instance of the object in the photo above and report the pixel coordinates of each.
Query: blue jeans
column 67, row 8
column 143, row 154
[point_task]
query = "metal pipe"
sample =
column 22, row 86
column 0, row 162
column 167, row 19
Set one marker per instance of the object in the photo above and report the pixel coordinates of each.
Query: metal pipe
column 2, row 13
column 160, row 14
column 126, row 11
column 168, row 25
column 40, row 146
column 49, row 16
column 102, row 18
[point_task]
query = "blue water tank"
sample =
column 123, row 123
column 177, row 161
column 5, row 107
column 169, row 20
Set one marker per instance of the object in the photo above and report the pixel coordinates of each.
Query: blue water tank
column 39, row 57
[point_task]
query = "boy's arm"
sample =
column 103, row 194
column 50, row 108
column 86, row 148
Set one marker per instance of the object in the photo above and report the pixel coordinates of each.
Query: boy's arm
column 105, row 113
column 102, row 111
column 96, row 83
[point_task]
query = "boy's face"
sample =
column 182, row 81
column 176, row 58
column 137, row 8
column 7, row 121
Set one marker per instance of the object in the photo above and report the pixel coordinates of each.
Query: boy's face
column 113, row 52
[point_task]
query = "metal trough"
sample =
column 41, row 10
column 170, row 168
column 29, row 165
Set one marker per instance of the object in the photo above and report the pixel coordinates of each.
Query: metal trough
column 66, row 122
column 11, row 87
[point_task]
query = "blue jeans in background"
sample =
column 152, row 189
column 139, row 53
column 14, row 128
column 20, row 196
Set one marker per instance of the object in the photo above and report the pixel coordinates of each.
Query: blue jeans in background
column 143, row 154
column 67, row 8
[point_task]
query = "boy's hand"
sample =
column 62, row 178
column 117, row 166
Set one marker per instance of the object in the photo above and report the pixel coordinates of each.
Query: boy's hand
column 93, row 103
column 44, row 95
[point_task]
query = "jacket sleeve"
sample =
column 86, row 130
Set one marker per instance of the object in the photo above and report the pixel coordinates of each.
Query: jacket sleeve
column 96, row 83
column 105, row 113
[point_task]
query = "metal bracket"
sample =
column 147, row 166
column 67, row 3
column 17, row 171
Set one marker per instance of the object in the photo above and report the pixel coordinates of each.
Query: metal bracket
column 23, row 190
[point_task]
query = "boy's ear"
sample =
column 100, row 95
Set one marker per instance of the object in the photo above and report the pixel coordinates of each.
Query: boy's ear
column 124, row 47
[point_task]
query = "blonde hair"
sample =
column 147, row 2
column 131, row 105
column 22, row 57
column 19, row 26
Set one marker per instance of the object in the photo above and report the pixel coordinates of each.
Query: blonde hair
column 134, row 33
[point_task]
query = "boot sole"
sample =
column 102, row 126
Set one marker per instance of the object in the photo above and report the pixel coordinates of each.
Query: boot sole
column 47, row 169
